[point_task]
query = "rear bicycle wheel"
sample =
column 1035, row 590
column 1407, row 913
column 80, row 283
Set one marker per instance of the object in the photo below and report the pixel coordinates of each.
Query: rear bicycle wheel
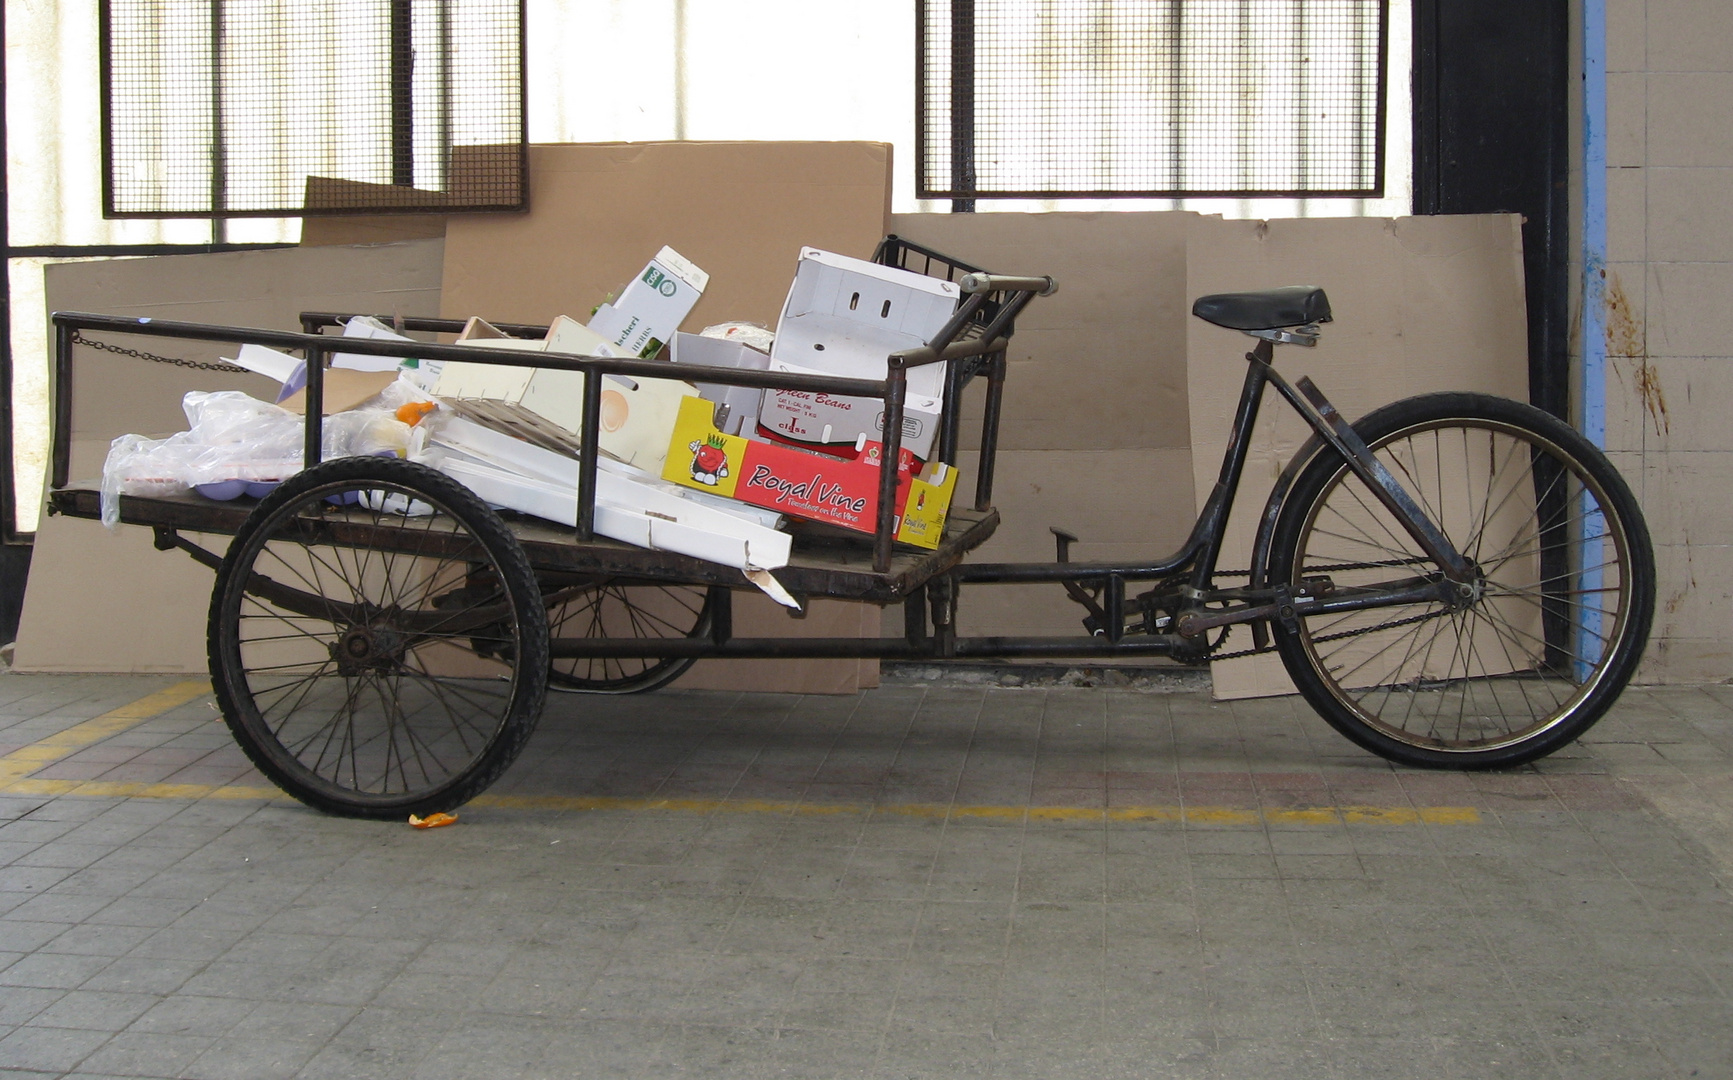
column 616, row 608
column 372, row 662
column 1548, row 635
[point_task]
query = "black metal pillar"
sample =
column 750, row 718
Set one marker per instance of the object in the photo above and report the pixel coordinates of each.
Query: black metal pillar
column 1491, row 134
column 14, row 556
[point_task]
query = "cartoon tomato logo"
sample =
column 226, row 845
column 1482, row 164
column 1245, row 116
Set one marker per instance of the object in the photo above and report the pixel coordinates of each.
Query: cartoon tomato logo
column 709, row 463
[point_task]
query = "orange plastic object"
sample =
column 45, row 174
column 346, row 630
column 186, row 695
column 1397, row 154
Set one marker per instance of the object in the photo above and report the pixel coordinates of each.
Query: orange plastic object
column 432, row 821
column 412, row 412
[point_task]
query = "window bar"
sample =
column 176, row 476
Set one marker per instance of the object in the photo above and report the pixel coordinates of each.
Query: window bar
column 219, row 164
column 1382, row 109
column 443, row 180
column 963, row 105
column 1302, row 106
column 402, row 95
column 1176, row 86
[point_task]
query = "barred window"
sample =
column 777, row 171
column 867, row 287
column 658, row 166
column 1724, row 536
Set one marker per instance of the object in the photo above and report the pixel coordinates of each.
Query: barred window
column 283, row 107
column 1151, row 98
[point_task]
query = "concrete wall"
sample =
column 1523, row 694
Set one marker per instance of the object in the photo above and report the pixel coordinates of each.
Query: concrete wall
column 1670, row 312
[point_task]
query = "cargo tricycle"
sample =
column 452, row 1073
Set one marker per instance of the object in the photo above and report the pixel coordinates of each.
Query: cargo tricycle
column 1452, row 580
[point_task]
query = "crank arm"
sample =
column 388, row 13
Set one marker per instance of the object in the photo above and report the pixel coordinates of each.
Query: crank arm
column 1193, row 623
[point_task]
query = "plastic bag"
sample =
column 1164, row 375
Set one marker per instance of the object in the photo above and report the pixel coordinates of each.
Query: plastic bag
column 238, row 445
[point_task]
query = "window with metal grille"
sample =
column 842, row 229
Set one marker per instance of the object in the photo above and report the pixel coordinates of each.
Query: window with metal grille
column 1150, row 98
column 290, row 107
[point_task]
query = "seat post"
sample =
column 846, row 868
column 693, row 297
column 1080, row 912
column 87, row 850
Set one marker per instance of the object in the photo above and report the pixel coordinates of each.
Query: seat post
column 1212, row 522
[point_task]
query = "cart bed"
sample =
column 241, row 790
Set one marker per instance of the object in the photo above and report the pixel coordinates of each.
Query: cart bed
column 823, row 563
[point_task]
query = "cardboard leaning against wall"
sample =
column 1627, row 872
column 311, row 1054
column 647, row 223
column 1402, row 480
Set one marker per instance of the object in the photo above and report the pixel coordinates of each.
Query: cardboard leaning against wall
column 1420, row 304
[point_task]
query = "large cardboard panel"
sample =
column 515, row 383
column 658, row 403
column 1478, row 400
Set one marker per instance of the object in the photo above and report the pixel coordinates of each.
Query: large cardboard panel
column 1421, row 304
column 327, row 192
column 102, row 602
column 114, row 395
column 1094, row 436
column 742, row 212
column 1101, row 364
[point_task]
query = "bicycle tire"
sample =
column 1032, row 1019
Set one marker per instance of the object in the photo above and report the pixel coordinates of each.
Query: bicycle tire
column 373, row 663
column 1555, row 624
column 615, row 609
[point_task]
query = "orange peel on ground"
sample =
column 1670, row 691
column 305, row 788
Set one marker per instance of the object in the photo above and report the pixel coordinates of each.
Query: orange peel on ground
column 432, row 821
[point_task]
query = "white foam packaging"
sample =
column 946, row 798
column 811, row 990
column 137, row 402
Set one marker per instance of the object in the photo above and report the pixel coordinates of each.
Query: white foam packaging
column 637, row 414
column 366, row 326
column 631, row 505
column 844, row 316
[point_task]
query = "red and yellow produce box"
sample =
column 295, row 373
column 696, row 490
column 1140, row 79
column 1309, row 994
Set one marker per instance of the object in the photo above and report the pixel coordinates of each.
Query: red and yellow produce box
column 803, row 484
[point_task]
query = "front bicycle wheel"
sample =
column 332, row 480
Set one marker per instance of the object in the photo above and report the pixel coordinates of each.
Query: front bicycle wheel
column 1540, row 644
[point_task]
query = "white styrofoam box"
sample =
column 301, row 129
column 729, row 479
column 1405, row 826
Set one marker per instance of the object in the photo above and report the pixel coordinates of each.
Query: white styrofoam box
column 366, row 326
column 568, row 335
column 742, row 401
column 617, row 485
column 823, row 419
column 698, row 531
column 843, row 317
column 637, row 414
column 458, row 379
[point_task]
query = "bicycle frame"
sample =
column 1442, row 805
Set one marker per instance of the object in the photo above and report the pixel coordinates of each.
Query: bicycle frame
column 930, row 608
column 1196, row 557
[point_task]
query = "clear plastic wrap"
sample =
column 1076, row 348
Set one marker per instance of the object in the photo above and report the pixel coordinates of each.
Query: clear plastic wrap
column 238, row 445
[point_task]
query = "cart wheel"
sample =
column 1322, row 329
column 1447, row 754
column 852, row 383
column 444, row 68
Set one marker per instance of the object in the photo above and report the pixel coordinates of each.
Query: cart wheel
column 371, row 662
column 616, row 609
column 1539, row 643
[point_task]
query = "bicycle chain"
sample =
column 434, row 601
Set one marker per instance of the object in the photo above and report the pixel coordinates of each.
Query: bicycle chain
column 227, row 369
column 1213, row 657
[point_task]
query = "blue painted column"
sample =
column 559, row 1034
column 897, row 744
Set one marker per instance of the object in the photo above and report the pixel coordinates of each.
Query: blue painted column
column 1592, row 411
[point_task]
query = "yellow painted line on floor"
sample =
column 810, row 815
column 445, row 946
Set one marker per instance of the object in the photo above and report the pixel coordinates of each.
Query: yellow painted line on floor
column 1175, row 814
column 26, row 760
column 15, row 779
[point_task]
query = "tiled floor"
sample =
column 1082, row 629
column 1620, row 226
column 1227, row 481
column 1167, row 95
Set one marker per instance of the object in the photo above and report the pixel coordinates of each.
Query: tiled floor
column 915, row 882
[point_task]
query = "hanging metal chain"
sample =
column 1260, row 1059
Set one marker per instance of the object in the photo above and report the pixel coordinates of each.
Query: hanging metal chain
column 229, row 369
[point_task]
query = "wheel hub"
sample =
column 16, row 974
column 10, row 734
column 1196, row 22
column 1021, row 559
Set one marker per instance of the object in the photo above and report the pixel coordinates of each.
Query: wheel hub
column 1466, row 594
column 367, row 648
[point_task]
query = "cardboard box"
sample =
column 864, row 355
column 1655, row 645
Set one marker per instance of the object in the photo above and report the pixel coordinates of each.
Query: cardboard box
column 837, row 425
column 741, row 210
column 742, row 401
column 363, row 326
column 652, row 307
column 845, row 316
column 802, row 484
column 637, row 414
